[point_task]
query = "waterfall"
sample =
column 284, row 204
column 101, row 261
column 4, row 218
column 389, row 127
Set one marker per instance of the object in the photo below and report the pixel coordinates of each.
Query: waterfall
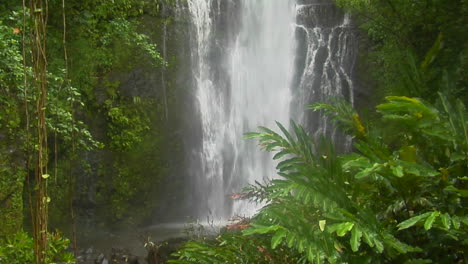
column 261, row 70
column 326, row 63
column 250, row 70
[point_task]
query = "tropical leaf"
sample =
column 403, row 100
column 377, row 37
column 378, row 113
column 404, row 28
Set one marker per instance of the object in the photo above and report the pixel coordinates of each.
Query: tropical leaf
column 430, row 220
column 413, row 221
column 355, row 241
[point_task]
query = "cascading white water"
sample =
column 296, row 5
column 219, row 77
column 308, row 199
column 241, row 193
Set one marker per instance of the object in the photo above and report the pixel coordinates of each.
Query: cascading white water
column 209, row 180
column 250, row 70
column 258, row 64
column 329, row 60
column 261, row 73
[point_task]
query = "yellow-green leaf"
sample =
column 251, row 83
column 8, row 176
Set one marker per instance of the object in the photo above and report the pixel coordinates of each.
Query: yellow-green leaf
column 322, row 224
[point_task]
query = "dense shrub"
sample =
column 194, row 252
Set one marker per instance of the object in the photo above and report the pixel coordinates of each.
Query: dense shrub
column 19, row 249
column 397, row 198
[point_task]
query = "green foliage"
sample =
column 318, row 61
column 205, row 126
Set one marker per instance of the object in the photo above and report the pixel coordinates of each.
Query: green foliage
column 105, row 37
column 406, row 37
column 139, row 154
column 121, row 30
column 11, row 95
column 128, row 123
column 398, row 198
column 19, row 249
column 102, row 39
column 11, row 77
column 233, row 247
column 11, row 200
column 64, row 100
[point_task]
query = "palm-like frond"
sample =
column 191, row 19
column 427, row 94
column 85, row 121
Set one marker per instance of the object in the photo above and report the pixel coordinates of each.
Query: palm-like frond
column 395, row 199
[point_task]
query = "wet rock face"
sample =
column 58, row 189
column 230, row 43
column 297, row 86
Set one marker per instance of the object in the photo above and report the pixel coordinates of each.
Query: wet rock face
column 326, row 57
column 121, row 256
column 318, row 14
column 160, row 253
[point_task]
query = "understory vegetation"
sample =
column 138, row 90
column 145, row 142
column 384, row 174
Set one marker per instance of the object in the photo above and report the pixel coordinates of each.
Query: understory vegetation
column 76, row 132
column 394, row 199
column 399, row 195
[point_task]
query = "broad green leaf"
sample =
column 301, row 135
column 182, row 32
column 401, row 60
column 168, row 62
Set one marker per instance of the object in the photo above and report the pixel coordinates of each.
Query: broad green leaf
column 378, row 245
column 286, row 163
column 416, row 169
column 291, row 240
column 45, row 176
column 286, row 133
column 276, row 239
column 359, row 162
column 412, row 221
column 342, row 228
column 445, row 219
column 430, row 220
column 399, row 246
column 397, row 171
column 368, row 239
column 456, row 222
column 368, row 171
column 355, row 241
column 310, row 255
column 260, row 229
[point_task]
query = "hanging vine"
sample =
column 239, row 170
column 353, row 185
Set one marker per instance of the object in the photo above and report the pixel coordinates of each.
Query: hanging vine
column 71, row 182
column 39, row 13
